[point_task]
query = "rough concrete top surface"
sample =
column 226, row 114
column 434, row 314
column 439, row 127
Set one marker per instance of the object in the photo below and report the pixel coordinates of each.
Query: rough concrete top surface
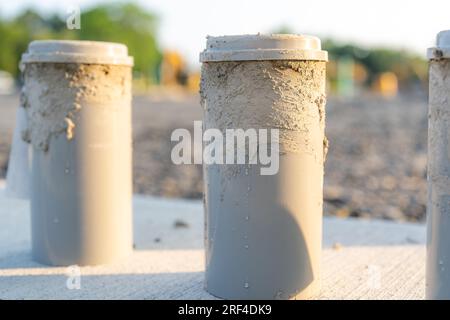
column 362, row 259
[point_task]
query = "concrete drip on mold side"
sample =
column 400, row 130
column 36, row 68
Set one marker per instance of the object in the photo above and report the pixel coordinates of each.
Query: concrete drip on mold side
column 52, row 111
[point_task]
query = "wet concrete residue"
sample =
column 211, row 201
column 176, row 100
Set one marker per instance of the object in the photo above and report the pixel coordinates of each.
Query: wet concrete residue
column 70, row 128
column 54, row 94
column 286, row 95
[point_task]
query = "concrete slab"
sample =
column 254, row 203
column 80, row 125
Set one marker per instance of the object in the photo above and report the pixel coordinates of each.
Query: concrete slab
column 362, row 259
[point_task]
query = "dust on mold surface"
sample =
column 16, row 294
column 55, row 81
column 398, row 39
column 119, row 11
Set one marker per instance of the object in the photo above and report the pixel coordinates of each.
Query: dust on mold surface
column 55, row 93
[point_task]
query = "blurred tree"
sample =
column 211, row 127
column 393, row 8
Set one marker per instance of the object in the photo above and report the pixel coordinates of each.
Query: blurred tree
column 128, row 24
column 284, row 29
column 409, row 68
column 119, row 22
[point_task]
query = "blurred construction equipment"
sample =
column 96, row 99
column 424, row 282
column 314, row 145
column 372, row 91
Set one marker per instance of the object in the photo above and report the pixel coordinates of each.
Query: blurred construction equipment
column 386, row 84
column 175, row 73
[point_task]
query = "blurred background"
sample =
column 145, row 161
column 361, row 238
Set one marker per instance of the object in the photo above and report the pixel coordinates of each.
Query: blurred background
column 377, row 85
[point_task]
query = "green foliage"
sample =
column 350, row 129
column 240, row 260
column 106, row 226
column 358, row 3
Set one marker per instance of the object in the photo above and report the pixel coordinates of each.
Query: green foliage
column 128, row 24
column 409, row 68
column 124, row 23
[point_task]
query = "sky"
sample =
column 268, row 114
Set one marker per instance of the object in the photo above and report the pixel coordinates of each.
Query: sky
column 184, row 24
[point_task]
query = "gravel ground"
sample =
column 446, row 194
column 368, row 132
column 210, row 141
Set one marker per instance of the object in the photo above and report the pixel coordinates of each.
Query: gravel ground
column 376, row 164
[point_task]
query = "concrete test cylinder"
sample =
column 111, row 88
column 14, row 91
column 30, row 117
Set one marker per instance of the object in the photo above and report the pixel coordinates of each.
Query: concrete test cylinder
column 77, row 96
column 438, row 209
column 263, row 232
